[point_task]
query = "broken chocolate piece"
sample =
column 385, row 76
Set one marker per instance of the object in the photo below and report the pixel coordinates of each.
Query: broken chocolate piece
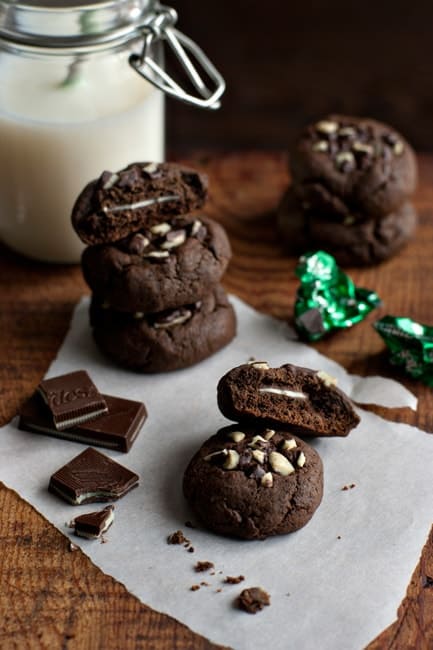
column 92, row 477
column 72, row 399
column 93, row 524
column 116, row 429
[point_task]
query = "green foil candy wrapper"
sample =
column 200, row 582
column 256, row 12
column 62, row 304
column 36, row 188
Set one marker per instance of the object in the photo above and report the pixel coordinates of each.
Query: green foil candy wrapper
column 327, row 299
column 410, row 345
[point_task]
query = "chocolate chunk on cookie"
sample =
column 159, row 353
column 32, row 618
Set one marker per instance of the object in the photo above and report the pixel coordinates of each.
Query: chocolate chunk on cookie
column 166, row 340
column 298, row 399
column 253, row 482
column 348, row 165
column 352, row 241
column 161, row 267
column 120, row 203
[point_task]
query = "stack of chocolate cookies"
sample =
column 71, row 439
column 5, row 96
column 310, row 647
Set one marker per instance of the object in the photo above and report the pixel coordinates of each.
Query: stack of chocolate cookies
column 257, row 477
column 352, row 180
column 154, row 268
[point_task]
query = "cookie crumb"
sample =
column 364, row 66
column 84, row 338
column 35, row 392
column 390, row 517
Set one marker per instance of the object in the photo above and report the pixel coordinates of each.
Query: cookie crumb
column 253, row 600
column 338, row 536
column 191, row 549
column 204, row 584
column 195, row 587
column 177, row 538
column 218, row 591
column 234, row 580
column 348, row 487
column 203, row 566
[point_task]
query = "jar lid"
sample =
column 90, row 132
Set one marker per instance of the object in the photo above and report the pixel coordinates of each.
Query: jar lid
column 72, row 23
column 77, row 28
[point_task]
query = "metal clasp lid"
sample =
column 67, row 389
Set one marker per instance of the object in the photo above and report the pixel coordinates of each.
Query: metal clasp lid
column 161, row 28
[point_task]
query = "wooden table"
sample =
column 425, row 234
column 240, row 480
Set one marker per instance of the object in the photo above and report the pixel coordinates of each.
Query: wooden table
column 51, row 597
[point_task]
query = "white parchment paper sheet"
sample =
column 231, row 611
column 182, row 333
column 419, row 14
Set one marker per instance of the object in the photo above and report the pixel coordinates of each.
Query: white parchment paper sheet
column 334, row 584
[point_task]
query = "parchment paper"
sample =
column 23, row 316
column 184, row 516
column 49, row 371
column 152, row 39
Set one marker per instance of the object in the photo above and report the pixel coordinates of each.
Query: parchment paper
column 334, row 585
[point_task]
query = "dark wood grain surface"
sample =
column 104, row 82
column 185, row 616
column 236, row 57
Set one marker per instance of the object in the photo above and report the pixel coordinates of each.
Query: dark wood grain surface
column 286, row 62
column 53, row 598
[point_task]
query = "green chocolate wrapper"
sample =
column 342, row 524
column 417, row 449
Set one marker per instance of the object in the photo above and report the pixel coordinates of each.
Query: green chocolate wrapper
column 327, row 298
column 410, row 345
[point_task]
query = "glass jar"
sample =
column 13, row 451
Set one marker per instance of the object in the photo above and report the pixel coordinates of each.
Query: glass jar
column 72, row 105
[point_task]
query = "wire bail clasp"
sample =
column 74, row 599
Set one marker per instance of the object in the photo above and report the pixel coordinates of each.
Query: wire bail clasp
column 161, row 27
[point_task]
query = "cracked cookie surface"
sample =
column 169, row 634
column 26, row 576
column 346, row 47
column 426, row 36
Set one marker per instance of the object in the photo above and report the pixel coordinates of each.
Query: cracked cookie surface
column 119, row 203
column 346, row 166
column 160, row 267
column 358, row 242
column 253, row 482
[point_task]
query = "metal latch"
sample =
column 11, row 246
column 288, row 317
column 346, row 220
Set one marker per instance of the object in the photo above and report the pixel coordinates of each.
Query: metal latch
column 161, row 28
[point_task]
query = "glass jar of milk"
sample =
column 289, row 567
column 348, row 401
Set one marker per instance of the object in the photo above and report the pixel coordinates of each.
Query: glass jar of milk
column 82, row 90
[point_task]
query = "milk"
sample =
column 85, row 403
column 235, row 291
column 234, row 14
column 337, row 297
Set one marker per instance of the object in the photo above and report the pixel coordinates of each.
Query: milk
column 58, row 133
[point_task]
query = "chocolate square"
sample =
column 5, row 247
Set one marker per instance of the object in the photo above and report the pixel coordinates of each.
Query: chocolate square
column 116, row 429
column 92, row 477
column 72, row 399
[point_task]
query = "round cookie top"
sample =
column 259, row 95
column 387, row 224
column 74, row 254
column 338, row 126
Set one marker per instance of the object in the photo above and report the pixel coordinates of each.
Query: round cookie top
column 253, row 482
column 163, row 266
column 299, row 399
column 344, row 165
column 119, row 203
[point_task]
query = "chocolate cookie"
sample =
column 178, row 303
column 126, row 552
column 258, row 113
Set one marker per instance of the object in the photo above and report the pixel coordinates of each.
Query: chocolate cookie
column 120, row 203
column 298, row 399
column 352, row 242
column 365, row 242
column 162, row 267
column 347, row 166
column 254, row 482
column 166, row 340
